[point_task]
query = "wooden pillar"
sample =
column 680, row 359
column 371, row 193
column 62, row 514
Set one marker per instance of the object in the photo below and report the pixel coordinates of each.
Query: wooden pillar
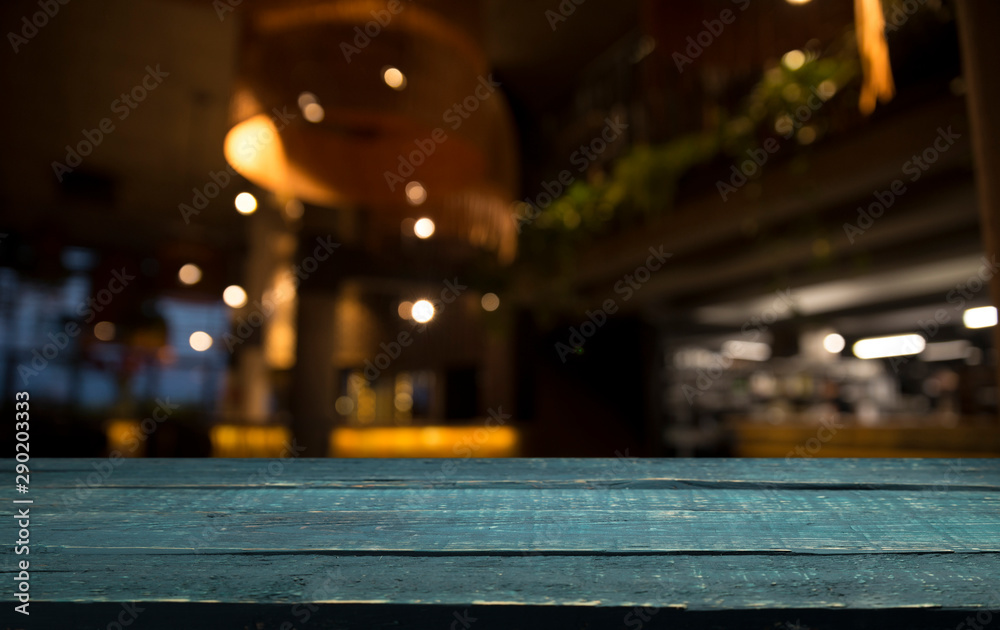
column 977, row 22
column 313, row 375
column 252, row 372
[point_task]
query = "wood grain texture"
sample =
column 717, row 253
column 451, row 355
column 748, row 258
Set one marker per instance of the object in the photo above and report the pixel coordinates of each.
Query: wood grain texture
column 518, row 543
column 530, row 472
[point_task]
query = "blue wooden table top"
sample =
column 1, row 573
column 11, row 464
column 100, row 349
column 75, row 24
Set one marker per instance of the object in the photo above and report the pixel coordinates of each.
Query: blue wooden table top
column 479, row 543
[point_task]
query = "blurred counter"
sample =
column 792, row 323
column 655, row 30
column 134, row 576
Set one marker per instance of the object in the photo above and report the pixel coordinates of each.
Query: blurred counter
column 846, row 436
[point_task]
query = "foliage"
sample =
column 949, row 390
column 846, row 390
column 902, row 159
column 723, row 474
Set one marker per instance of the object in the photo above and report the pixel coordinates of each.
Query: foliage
column 642, row 185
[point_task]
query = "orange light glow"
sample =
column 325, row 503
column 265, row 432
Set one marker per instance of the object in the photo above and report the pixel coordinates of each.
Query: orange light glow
column 443, row 441
column 229, row 440
column 124, row 436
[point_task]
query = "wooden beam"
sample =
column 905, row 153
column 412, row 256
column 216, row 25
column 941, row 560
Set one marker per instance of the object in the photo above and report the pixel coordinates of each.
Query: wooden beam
column 977, row 21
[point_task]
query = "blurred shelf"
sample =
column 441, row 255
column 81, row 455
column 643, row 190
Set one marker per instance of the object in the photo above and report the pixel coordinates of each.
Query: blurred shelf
column 900, row 437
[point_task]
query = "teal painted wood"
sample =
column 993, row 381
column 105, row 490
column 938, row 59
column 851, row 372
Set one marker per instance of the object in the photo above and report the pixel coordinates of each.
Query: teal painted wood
column 706, row 537
column 572, row 473
column 686, row 582
column 511, row 521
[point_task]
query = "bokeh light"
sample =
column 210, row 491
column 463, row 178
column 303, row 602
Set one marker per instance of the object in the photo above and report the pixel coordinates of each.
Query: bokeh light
column 423, row 228
column 793, row 59
column 344, row 405
column 234, row 296
column 394, row 78
column 105, row 331
column 416, row 194
column 982, row 317
column 313, row 112
column 422, row 312
column 294, row 209
column 833, row 343
column 245, row 203
column 200, row 341
column 189, row 274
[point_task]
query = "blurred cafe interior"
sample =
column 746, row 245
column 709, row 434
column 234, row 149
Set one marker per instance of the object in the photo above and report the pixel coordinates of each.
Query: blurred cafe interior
column 495, row 228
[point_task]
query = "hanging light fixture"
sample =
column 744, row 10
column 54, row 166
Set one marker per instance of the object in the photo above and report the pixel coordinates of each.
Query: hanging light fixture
column 333, row 108
column 877, row 81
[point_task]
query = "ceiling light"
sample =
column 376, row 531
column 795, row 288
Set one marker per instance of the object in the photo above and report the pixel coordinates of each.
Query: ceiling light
column 747, row 350
column 894, row 346
column 245, row 203
column 422, row 312
column 982, row 317
column 234, row 296
column 394, row 78
column 946, row 351
column 423, row 228
column 833, row 343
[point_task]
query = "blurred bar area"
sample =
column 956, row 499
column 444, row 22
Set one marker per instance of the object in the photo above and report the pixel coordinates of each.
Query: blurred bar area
column 443, row 228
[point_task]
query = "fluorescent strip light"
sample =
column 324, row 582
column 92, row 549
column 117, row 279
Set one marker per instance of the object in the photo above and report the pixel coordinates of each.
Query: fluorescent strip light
column 946, row 351
column 747, row 350
column 895, row 346
column 982, row 317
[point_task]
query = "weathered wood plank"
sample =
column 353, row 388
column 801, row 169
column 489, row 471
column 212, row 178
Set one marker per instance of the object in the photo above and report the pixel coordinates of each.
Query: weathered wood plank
column 510, row 521
column 690, row 582
column 561, row 543
column 536, row 473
